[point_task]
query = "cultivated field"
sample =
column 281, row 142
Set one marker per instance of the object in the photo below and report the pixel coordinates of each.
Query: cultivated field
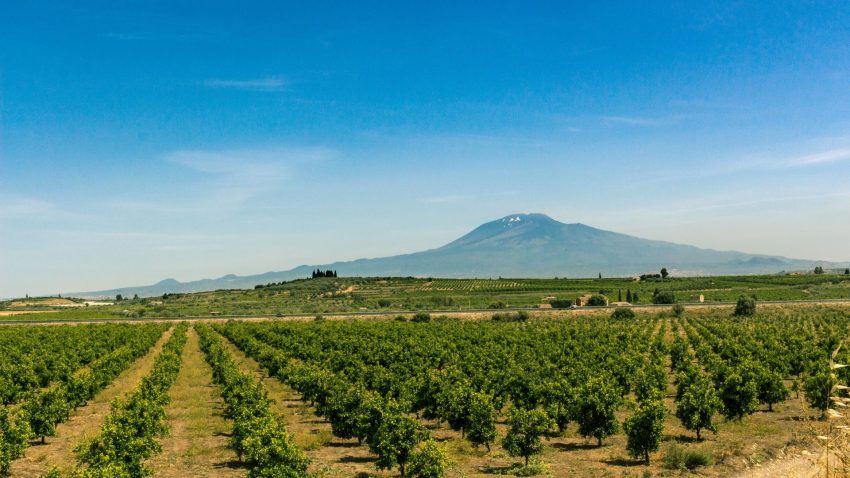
column 580, row 395
column 387, row 295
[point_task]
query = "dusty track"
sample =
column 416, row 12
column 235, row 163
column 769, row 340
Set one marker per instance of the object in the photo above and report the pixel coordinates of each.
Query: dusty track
column 463, row 313
column 197, row 443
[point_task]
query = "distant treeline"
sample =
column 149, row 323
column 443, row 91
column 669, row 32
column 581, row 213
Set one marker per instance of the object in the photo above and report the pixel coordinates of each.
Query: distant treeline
column 327, row 273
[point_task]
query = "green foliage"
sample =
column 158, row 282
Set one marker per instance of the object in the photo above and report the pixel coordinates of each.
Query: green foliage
column 621, row 313
column 597, row 300
column 269, row 451
column 818, row 389
column 259, row 436
column 45, row 410
column 771, row 387
column 361, row 375
column 678, row 310
column 679, row 353
column 560, row 403
column 645, row 428
column 678, row 458
column 596, row 405
column 650, row 382
column 421, row 317
column 520, row 316
column 129, row 435
column 818, row 270
column 394, row 440
column 745, row 306
column 14, row 434
column 696, row 403
column 664, row 297
column 664, row 273
column 428, row 461
column 481, row 423
column 739, row 394
column 561, row 303
column 526, row 427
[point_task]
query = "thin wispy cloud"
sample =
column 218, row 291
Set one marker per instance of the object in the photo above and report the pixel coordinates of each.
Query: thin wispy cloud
column 242, row 174
column 829, row 156
column 642, row 120
column 20, row 208
column 444, row 199
column 269, row 84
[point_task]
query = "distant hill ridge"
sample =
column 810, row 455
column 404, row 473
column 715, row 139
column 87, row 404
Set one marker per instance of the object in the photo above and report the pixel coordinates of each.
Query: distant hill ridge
column 518, row 245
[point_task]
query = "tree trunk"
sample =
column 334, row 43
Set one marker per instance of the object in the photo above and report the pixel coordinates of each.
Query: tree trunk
column 698, row 437
column 646, row 457
column 401, row 467
column 598, row 442
column 770, row 407
column 488, row 447
column 42, row 439
column 526, row 460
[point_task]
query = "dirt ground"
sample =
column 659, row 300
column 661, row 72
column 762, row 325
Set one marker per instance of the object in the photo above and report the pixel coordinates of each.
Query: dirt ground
column 9, row 313
column 197, row 443
column 85, row 422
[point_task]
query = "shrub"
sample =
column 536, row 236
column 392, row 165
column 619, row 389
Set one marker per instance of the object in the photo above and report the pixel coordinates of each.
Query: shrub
column 429, row 461
column 678, row 310
column 678, row 458
column 664, row 297
column 597, row 300
column 818, row 390
column 421, row 317
column 520, row 316
column 561, row 303
column 384, row 303
column 745, row 306
column 498, row 305
column 623, row 313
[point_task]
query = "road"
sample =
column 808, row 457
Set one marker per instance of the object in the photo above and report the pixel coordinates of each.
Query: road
column 362, row 314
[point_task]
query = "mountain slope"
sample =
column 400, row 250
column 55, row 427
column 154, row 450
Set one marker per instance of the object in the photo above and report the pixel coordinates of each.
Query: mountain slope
column 519, row 245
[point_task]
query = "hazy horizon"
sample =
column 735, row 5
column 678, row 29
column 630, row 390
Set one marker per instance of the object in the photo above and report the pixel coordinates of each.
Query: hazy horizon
column 147, row 141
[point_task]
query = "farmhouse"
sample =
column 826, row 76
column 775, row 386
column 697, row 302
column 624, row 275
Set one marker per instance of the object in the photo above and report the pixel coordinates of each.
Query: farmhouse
column 698, row 298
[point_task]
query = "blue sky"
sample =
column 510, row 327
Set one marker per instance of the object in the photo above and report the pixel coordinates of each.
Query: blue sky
column 144, row 140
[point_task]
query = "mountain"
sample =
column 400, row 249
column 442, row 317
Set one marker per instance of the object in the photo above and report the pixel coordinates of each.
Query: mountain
column 519, row 245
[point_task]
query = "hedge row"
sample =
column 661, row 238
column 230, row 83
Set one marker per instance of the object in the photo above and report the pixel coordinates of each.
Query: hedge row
column 129, row 436
column 259, row 435
column 352, row 411
column 39, row 415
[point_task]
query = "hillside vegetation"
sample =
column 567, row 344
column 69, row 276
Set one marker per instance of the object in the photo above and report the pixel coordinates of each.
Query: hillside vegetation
column 371, row 294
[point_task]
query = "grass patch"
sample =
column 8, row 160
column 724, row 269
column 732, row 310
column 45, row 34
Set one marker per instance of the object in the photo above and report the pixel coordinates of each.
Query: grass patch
column 679, row 458
column 319, row 440
column 535, row 467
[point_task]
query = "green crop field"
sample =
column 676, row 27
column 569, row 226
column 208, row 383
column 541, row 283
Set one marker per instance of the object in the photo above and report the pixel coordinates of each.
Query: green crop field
column 659, row 392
